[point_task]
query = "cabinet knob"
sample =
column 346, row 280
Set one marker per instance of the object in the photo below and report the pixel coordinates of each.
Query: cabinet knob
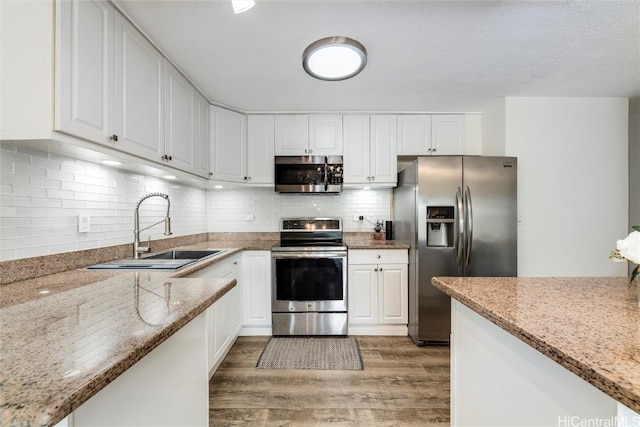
column 210, row 173
column 310, row 151
column 375, row 269
column 368, row 178
column 433, row 150
column 373, row 178
column 306, row 151
column 380, row 269
column 113, row 138
column 379, row 256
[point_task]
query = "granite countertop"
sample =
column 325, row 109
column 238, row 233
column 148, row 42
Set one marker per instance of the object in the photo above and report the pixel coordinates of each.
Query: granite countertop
column 590, row 326
column 65, row 336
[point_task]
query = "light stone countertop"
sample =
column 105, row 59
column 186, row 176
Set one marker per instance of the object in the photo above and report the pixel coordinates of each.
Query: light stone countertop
column 590, row 326
column 65, row 336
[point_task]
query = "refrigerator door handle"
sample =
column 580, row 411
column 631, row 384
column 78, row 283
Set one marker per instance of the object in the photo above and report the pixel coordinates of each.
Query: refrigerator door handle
column 469, row 223
column 459, row 232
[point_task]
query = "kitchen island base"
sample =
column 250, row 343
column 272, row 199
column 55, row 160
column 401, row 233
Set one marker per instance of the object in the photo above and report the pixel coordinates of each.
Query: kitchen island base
column 497, row 380
column 168, row 387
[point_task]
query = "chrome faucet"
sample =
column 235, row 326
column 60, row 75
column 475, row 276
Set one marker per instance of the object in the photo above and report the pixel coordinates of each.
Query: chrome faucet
column 137, row 249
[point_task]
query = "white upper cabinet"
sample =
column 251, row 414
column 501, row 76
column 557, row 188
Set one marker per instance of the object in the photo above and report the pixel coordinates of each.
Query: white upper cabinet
column 325, row 135
column 201, row 132
column 179, row 120
column 448, row 134
column 113, row 87
column 370, row 150
column 291, row 135
column 303, row 135
column 228, row 145
column 384, row 157
column 139, row 93
column 84, row 77
column 438, row 134
column 414, row 134
column 260, row 146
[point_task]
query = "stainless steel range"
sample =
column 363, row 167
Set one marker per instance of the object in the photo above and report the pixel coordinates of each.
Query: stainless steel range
column 309, row 278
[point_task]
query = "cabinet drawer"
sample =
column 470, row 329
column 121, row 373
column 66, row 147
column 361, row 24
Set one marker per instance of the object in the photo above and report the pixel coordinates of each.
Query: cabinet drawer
column 378, row 256
column 218, row 270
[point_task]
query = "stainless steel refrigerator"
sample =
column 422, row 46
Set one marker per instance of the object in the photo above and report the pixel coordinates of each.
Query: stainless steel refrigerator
column 459, row 215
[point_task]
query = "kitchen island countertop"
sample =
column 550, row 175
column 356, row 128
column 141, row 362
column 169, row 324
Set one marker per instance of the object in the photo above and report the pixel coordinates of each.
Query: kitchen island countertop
column 590, row 326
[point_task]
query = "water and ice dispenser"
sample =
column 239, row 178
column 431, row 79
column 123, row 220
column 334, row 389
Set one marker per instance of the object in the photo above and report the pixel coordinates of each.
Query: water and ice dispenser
column 440, row 221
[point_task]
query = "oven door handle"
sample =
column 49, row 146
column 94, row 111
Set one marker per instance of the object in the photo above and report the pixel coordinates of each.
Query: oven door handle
column 307, row 255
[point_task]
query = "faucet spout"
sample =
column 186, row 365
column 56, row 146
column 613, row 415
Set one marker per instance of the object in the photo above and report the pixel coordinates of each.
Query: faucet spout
column 137, row 248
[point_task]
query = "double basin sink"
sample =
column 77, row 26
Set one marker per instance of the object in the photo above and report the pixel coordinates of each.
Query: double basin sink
column 169, row 260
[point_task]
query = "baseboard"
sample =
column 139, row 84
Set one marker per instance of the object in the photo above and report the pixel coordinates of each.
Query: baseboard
column 387, row 330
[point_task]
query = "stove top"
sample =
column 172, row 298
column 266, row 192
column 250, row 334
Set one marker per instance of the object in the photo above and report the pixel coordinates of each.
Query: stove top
column 306, row 234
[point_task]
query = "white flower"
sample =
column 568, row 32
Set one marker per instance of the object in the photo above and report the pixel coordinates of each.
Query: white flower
column 629, row 248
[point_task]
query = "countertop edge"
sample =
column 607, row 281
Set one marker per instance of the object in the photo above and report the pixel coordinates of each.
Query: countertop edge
column 587, row 373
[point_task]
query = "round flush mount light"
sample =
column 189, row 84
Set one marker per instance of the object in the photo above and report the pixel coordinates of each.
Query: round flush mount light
column 334, row 58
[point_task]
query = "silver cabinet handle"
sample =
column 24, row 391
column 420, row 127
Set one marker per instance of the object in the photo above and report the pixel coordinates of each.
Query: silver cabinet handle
column 113, row 138
column 373, row 178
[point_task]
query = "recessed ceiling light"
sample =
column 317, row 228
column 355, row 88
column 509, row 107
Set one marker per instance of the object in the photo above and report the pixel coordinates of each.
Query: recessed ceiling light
column 240, row 6
column 334, row 58
column 218, row 187
column 111, row 162
column 366, row 188
column 170, row 177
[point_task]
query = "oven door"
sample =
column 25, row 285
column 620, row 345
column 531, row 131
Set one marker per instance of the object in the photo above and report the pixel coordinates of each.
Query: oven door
column 309, row 281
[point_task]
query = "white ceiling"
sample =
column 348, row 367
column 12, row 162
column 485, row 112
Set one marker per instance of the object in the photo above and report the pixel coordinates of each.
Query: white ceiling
column 431, row 56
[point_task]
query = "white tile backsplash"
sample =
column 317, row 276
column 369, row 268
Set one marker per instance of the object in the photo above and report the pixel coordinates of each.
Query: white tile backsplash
column 42, row 195
column 227, row 208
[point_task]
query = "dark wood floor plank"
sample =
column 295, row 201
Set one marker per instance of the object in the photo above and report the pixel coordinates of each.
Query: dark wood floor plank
column 401, row 385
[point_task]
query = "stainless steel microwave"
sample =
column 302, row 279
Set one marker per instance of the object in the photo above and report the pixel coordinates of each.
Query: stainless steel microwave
column 308, row 174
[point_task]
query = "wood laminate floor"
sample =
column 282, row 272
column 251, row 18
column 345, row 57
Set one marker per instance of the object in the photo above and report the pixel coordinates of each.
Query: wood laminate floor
column 401, row 385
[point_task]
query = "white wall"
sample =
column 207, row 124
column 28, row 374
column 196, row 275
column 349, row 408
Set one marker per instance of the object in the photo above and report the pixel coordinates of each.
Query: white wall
column 227, row 208
column 572, row 183
column 41, row 195
column 493, row 128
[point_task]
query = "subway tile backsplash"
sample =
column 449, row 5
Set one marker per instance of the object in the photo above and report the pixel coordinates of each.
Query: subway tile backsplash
column 42, row 194
column 228, row 208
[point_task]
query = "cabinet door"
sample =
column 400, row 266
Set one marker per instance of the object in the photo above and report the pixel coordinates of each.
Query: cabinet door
column 260, row 141
column 448, row 134
column 84, row 75
column 384, row 158
column 393, row 293
column 139, row 88
column 179, row 120
column 256, row 275
column 363, row 294
column 325, row 135
column 201, row 132
column 229, row 144
column 414, row 134
column 291, row 135
column 355, row 133
column 383, row 149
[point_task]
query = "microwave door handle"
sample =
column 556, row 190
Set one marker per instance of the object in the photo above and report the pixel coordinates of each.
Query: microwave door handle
column 326, row 173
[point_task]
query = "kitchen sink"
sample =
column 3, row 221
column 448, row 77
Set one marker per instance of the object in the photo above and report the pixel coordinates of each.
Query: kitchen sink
column 185, row 254
column 170, row 260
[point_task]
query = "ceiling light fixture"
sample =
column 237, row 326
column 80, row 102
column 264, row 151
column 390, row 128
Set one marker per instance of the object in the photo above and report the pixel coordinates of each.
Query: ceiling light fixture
column 334, row 58
column 240, row 6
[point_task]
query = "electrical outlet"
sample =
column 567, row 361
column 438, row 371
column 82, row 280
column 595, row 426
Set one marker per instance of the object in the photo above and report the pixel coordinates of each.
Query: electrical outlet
column 358, row 218
column 248, row 217
column 84, row 223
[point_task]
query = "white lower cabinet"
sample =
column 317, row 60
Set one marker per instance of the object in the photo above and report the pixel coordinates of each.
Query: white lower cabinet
column 256, row 293
column 378, row 292
column 224, row 317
